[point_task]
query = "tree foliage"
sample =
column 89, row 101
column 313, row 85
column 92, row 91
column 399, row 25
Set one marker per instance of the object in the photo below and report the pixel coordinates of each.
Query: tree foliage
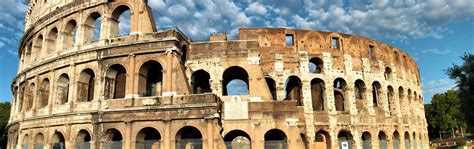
column 4, row 116
column 444, row 113
column 464, row 76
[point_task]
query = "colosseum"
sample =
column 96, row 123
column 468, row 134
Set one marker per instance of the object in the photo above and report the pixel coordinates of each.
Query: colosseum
column 156, row 88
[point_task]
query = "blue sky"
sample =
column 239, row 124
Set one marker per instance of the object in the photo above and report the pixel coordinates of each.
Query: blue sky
column 435, row 32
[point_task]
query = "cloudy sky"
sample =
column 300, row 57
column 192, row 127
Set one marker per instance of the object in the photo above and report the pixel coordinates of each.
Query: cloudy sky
column 435, row 32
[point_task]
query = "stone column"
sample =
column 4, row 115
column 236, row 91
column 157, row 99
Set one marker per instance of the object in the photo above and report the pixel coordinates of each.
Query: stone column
column 128, row 136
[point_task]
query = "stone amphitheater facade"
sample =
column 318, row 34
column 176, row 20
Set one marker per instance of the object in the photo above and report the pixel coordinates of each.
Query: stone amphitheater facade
column 160, row 89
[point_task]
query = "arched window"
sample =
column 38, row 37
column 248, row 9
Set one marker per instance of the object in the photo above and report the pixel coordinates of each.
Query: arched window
column 345, row 139
column 58, row 141
column 39, row 141
column 339, row 90
column 121, row 18
column 322, row 140
column 388, row 73
column 51, row 40
column 317, row 94
column 396, row 140
column 26, row 142
column 391, row 101
column 148, row 138
column 275, row 139
column 43, row 94
column 70, row 34
column 376, row 91
column 201, row 82
column 92, row 28
column 113, row 139
column 382, row 140
column 184, row 54
column 38, row 46
column 359, row 89
column 115, row 82
column 86, row 85
column 150, row 79
column 237, row 139
column 366, row 140
column 83, row 140
column 30, row 95
column 293, row 90
column 407, row 140
column 409, row 95
column 21, row 96
column 315, row 65
column 28, row 53
column 415, row 142
column 235, row 81
column 188, row 137
column 62, row 89
column 272, row 87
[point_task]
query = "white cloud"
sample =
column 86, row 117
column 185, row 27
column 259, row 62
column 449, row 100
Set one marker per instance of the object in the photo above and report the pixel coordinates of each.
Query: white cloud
column 178, row 10
column 436, row 51
column 12, row 52
column 256, row 8
column 2, row 44
column 437, row 86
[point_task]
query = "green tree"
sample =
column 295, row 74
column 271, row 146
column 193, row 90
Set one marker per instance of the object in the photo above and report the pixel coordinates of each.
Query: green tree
column 444, row 113
column 4, row 116
column 464, row 76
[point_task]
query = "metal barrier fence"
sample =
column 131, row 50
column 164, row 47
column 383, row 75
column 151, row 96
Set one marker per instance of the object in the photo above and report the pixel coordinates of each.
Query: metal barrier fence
column 383, row 144
column 58, row 145
column 24, row 146
column 345, row 145
column 415, row 144
column 396, row 144
column 39, row 146
column 83, row 145
column 276, row 144
column 237, row 145
column 189, row 144
column 367, row 144
column 148, row 144
column 407, row 143
column 112, row 145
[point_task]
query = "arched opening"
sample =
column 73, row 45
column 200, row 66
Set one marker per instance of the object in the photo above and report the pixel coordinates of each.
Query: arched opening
column 401, row 96
column 28, row 54
column 43, row 93
column 39, row 141
column 62, row 89
column 184, row 54
column 83, row 140
column 26, row 142
column 366, row 140
column 148, row 138
column 345, row 140
column 237, row 139
column 86, row 85
column 115, row 82
column 382, row 140
column 69, row 36
column 391, row 101
column 359, row 89
column 92, row 28
column 376, row 91
column 409, row 95
column 38, row 46
column 52, row 40
column 275, row 139
column 407, row 140
column 272, row 87
column 304, row 140
column 30, row 96
column 201, row 82
column 339, row 90
column 58, row 141
column 388, row 73
column 322, row 140
column 396, row 140
column 121, row 18
column 235, row 81
column 21, row 96
column 415, row 142
column 188, row 137
column 113, row 139
column 293, row 90
column 315, row 65
column 317, row 94
column 150, row 79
